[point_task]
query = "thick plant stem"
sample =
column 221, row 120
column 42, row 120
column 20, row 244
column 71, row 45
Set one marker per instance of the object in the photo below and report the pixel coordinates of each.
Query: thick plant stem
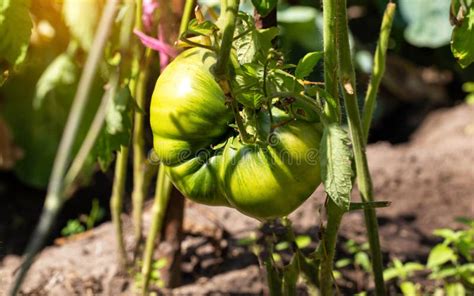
column 116, row 203
column 328, row 247
column 162, row 195
column 229, row 14
column 333, row 111
column 229, row 10
column 333, row 108
column 378, row 68
column 347, row 79
column 54, row 197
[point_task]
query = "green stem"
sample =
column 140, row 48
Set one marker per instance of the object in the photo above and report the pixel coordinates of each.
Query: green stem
column 116, row 203
column 54, row 198
column 138, row 82
column 139, row 156
column 229, row 14
column 347, row 78
column 328, row 247
column 332, row 109
column 378, row 68
column 92, row 134
column 188, row 8
column 229, row 10
column 162, row 195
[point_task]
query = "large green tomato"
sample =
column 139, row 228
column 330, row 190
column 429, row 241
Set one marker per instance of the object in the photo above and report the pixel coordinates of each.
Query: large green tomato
column 188, row 111
column 203, row 154
column 271, row 180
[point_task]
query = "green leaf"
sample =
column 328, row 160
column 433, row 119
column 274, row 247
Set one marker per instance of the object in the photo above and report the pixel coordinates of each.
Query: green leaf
column 117, row 129
column 409, row 289
column 282, row 246
column 82, row 18
column 341, row 263
column 336, row 169
column 362, row 259
column 252, row 45
column 246, row 43
column 205, row 28
column 411, row 267
column 265, row 37
column 247, row 85
column 427, row 22
column 440, row 255
column 15, row 32
column 444, row 272
column 390, row 273
column 446, row 233
column 462, row 44
column 264, row 6
column 303, row 241
column 455, row 289
column 307, row 63
column 60, row 75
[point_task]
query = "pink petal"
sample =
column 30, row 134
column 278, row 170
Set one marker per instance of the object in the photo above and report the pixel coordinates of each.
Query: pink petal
column 156, row 44
column 164, row 59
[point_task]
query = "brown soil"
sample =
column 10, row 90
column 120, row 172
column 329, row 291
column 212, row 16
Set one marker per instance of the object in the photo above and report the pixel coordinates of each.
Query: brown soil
column 430, row 182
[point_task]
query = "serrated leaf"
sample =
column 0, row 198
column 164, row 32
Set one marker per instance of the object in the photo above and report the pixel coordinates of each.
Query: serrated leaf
column 15, row 29
column 205, row 28
column 82, row 18
column 462, row 44
column 117, row 129
column 252, row 45
column 61, row 74
column 247, row 85
column 307, row 63
column 265, row 38
column 440, row 255
column 264, row 6
column 336, row 165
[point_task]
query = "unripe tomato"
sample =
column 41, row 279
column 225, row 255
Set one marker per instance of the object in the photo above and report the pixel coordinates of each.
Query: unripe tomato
column 188, row 110
column 271, row 180
column 189, row 119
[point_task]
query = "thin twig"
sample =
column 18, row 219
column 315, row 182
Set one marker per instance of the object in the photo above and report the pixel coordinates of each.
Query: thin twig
column 140, row 72
column 162, row 195
column 378, row 68
column 93, row 133
column 116, row 204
